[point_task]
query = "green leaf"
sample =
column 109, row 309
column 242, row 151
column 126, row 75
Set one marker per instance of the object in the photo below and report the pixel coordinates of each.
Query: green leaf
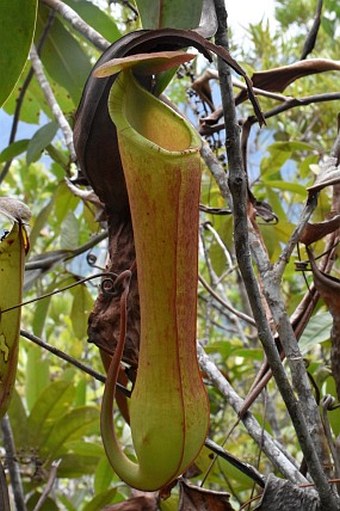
column 96, row 18
column 14, row 150
column 81, row 308
column 103, row 475
column 18, row 417
column 73, row 425
column 290, row 146
column 317, row 331
column 82, row 448
column 40, row 313
column 48, row 505
column 41, row 220
column 64, row 202
column 73, row 466
column 69, row 236
column 36, row 381
column 286, row 186
column 101, row 500
column 12, row 259
column 170, row 13
column 41, row 138
column 53, row 402
column 17, row 24
column 63, row 57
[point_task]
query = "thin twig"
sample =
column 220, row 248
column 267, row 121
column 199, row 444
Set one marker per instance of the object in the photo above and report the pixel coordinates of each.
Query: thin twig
column 288, row 104
column 109, row 275
column 13, row 466
column 52, row 102
column 49, row 485
column 64, row 356
column 313, row 33
column 246, row 468
column 78, row 23
column 225, row 304
column 4, row 497
column 45, row 261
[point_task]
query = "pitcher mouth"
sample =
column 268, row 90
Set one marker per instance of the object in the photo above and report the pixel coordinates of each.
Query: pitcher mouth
column 149, row 121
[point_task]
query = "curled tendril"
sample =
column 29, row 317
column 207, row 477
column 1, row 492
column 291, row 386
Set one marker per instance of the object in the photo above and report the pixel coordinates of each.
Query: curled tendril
column 108, row 285
column 91, row 259
column 114, row 285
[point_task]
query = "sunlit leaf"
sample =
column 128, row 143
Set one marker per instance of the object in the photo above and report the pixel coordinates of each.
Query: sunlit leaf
column 12, row 257
column 69, row 235
column 53, row 402
column 316, row 332
column 72, row 425
column 17, row 24
column 101, row 500
column 81, row 308
column 103, row 475
column 36, row 381
column 40, row 140
column 63, row 57
column 170, row 13
column 14, row 150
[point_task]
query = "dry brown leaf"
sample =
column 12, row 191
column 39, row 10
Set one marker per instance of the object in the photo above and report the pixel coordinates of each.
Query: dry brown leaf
column 146, row 502
column 194, row 498
column 317, row 231
column 278, row 78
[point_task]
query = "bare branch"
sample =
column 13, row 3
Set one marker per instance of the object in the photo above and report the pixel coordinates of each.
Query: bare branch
column 52, row 102
column 50, row 482
column 255, row 430
column 13, row 467
column 78, row 23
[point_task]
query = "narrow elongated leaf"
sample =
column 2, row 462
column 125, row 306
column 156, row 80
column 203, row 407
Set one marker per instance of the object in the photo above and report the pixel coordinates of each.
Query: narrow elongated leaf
column 81, row 307
column 40, row 140
column 101, row 500
column 12, row 256
column 17, row 24
column 170, row 13
column 72, row 425
column 14, row 150
column 69, row 236
column 52, row 403
column 63, row 57
column 317, row 331
column 36, row 381
column 278, row 78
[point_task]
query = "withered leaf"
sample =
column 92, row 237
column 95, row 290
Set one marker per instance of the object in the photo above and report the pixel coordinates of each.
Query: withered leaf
column 146, row 502
column 278, row 78
column 194, row 498
column 317, row 231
